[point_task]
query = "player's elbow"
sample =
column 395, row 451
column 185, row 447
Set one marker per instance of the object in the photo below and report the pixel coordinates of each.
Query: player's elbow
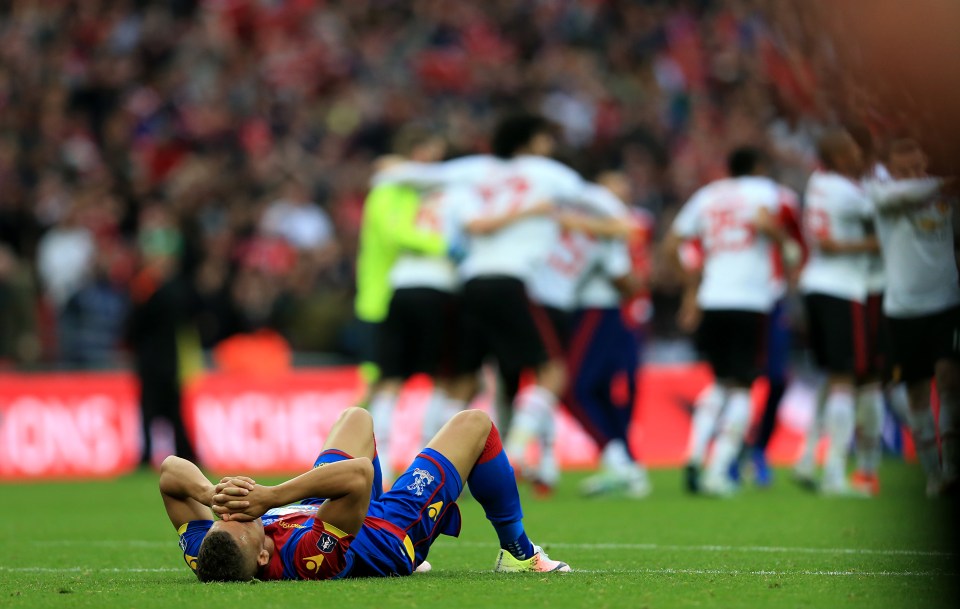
column 168, row 475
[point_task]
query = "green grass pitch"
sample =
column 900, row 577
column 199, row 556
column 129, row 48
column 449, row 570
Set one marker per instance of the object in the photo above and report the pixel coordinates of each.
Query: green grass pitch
column 108, row 544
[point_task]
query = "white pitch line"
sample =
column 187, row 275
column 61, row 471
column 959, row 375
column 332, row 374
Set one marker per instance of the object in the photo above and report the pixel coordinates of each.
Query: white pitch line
column 664, row 571
column 717, row 548
column 141, row 543
column 765, row 572
column 92, row 569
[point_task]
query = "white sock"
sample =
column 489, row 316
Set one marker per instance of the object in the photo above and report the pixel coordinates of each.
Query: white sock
column 532, row 419
column 950, row 434
column 616, row 458
column 924, row 432
column 733, row 427
column 839, row 420
column 435, row 414
column 807, row 461
column 869, row 419
column 381, row 409
column 709, row 404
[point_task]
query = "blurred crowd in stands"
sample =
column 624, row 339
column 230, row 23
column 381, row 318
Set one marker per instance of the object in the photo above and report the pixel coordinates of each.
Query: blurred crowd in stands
column 217, row 152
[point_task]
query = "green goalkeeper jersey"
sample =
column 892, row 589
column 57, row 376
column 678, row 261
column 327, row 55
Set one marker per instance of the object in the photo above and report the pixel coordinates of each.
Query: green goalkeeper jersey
column 388, row 227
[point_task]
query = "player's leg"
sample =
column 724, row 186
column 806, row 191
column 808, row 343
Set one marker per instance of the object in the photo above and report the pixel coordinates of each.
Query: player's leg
column 350, row 437
column 709, row 403
column 519, row 334
column 778, row 353
column 436, row 327
column 471, row 443
column 911, row 340
column 948, row 390
column 745, row 336
column 588, row 365
column 869, row 408
column 804, row 470
column 869, row 431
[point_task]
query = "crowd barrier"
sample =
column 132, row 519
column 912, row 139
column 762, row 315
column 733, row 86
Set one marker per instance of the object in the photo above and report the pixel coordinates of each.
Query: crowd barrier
column 87, row 425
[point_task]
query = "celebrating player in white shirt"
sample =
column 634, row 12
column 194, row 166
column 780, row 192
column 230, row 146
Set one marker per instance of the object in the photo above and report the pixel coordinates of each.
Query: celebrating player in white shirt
column 836, row 284
column 922, row 302
column 735, row 219
column 512, row 230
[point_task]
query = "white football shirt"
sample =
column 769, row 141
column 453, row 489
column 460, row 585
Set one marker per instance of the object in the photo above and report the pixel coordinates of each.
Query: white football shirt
column 738, row 271
column 915, row 228
column 612, row 261
column 838, row 209
column 574, row 254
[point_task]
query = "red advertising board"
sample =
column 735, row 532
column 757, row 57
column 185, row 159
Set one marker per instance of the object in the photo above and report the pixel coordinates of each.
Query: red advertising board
column 87, row 425
column 68, row 425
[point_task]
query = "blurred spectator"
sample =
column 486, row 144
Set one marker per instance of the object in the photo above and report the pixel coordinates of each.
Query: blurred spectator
column 19, row 342
column 156, row 331
column 203, row 105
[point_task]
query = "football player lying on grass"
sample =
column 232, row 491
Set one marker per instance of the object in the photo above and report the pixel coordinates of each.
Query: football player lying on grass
column 356, row 530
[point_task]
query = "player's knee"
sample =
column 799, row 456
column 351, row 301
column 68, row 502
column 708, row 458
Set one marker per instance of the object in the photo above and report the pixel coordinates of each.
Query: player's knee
column 355, row 416
column 472, row 423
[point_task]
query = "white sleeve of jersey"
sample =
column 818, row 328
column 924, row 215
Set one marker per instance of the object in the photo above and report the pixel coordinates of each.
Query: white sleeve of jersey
column 425, row 176
column 417, row 175
column 688, row 223
column 616, row 260
column 461, row 205
column 566, row 185
column 469, row 207
column 601, row 201
column 892, row 196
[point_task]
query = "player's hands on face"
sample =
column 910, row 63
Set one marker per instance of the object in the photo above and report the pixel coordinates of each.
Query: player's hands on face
column 241, row 500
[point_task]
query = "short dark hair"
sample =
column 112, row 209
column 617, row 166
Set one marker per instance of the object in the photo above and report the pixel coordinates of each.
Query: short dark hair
column 220, row 560
column 516, row 131
column 745, row 160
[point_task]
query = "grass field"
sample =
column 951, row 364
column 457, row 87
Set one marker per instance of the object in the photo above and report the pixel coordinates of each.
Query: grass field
column 108, row 544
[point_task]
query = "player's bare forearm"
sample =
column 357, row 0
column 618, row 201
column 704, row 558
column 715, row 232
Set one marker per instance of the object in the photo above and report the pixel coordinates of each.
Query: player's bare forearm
column 766, row 224
column 332, row 481
column 603, row 228
column 869, row 245
column 491, row 224
column 629, row 285
column 187, row 494
column 181, row 479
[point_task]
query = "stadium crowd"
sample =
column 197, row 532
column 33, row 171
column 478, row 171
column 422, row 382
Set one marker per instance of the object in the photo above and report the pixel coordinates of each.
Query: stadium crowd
column 223, row 148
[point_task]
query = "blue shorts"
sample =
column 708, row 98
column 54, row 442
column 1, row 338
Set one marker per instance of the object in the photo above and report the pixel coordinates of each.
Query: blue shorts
column 401, row 526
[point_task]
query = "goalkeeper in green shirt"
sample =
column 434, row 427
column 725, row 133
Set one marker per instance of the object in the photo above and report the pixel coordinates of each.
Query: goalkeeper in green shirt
column 387, row 228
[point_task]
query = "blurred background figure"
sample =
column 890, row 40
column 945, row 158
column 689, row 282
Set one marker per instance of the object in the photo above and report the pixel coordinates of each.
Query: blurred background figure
column 158, row 332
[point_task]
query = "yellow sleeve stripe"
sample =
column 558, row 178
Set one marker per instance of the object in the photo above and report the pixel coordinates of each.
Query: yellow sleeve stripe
column 329, row 527
column 183, row 528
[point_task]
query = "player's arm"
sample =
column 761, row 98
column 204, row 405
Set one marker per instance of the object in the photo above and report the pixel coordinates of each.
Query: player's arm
column 484, row 225
column 187, row 494
column 345, row 484
column 600, row 228
column 401, row 224
column 629, row 285
column 768, row 225
column 892, row 197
